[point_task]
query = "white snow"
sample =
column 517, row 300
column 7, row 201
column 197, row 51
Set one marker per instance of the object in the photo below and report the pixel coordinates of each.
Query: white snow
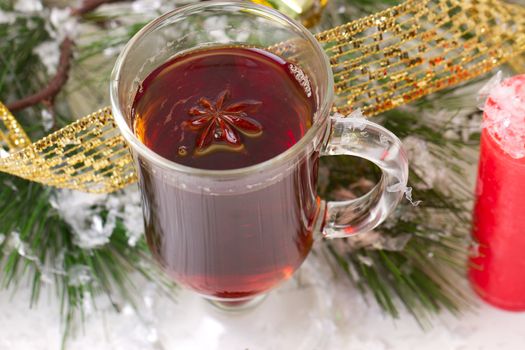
column 62, row 24
column 79, row 275
column 6, row 17
column 49, row 54
column 3, row 153
column 126, row 205
column 357, row 324
column 28, row 6
column 141, row 6
column 82, row 211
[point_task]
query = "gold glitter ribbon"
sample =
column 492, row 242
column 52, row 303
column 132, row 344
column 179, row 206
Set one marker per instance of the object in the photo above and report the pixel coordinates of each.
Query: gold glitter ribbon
column 379, row 62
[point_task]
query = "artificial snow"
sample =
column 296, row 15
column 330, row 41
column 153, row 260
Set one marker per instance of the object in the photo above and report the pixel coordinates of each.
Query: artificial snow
column 79, row 275
column 126, row 206
column 141, row 6
column 47, row 119
column 49, row 54
column 83, row 212
column 6, row 17
column 215, row 26
column 28, row 6
column 16, row 243
column 63, row 24
column 112, row 50
column 423, row 163
column 358, row 325
column 365, row 260
column 373, row 240
column 504, row 114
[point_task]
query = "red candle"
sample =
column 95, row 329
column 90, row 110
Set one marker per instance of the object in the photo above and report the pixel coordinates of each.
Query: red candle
column 497, row 271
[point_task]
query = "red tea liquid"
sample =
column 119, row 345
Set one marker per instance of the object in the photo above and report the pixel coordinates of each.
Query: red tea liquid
column 227, row 108
column 222, row 108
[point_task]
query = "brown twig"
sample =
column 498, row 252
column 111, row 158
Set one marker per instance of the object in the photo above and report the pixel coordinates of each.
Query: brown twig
column 55, row 85
column 49, row 92
column 89, row 5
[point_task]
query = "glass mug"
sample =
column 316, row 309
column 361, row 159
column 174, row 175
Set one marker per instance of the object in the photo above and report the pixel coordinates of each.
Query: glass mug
column 232, row 235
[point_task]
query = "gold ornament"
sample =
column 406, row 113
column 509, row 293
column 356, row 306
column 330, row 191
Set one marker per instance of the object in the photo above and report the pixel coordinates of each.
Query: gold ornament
column 379, row 62
column 12, row 136
column 308, row 12
column 88, row 155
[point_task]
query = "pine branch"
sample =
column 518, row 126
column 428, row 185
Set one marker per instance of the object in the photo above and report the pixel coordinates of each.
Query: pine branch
column 421, row 276
column 49, row 92
column 37, row 245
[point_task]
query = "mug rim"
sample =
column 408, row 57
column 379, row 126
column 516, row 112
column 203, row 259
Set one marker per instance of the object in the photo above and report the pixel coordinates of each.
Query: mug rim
column 284, row 157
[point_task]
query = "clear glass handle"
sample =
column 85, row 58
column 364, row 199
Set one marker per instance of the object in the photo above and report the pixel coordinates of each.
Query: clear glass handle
column 362, row 138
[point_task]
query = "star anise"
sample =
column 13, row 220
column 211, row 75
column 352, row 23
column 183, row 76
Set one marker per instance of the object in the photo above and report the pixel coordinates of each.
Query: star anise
column 221, row 124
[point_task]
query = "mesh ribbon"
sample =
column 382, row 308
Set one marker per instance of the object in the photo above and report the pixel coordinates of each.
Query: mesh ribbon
column 379, row 62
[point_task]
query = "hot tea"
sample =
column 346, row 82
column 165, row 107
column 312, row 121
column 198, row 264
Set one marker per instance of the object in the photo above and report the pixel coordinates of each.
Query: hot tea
column 223, row 108
column 227, row 108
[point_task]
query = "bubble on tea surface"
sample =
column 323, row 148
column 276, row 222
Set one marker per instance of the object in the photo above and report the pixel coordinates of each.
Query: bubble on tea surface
column 182, row 151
